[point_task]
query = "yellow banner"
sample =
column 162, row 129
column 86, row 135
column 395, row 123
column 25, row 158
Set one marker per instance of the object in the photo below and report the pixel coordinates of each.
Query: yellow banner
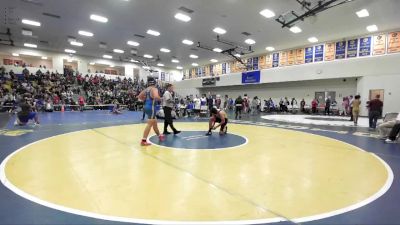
column 291, row 57
column 300, row 56
column 394, row 42
column 379, row 47
column 282, row 59
column 329, row 51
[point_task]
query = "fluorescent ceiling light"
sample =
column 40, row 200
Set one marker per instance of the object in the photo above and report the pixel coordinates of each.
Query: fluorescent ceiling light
column 160, row 64
column 175, row 61
column 69, row 51
column 26, row 32
column 182, row 17
column 238, row 55
column 44, row 57
column 92, row 63
column 250, row 41
column 166, row 50
column 187, row 42
column 267, row 13
column 15, row 54
column 30, row 45
column 372, row 28
column 28, row 53
column 295, row 29
column 119, row 51
column 313, row 39
column 134, row 61
column 146, row 67
column 213, row 60
column 217, row 50
column 362, row 13
column 193, row 56
column 98, row 18
column 219, row 30
column 179, row 67
column 195, row 64
column 31, row 22
column 85, row 33
column 133, row 43
column 148, row 56
column 270, row 48
column 153, row 32
column 112, row 66
column 107, row 56
column 76, row 43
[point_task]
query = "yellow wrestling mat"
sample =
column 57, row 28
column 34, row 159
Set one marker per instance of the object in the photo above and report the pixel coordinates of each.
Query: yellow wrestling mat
column 277, row 175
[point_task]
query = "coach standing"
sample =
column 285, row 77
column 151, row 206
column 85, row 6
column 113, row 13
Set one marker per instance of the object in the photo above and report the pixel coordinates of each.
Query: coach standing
column 375, row 111
column 168, row 105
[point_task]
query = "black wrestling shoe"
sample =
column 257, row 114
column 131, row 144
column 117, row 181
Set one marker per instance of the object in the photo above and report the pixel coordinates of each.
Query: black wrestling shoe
column 177, row 132
column 166, row 133
column 208, row 134
column 226, row 130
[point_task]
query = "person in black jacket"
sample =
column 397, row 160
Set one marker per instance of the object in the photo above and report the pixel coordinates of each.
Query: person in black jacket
column 238, row 107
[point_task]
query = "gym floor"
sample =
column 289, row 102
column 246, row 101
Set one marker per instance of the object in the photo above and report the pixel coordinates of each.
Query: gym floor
column 88, row 168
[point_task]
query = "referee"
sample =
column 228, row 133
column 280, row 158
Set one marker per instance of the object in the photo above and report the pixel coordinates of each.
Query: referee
column 168, row 104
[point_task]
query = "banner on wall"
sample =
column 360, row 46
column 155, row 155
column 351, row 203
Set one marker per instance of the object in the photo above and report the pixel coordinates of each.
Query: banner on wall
column 365, row 46
column 330, row 51
column 319, row 53
column 352, row 47
column 309, row 53
column 394, row 42
column 252, row 77
column 208, row 82
column 299, row 56
column 282, row 59
column 262, row 62
column 379, row 47
column 255, row 63
column 291, row 55
column 268, row 61
column 275, row 59
column 223, row 68
column 340, row 52
column 163, row 76
column 211, row 70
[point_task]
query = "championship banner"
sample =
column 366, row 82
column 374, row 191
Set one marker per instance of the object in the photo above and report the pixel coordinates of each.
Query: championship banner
column 275, row 59
column 190, row 74
column 329, row 51
column 340, row 52
column 223, row 68
column 211, row 70
column 309, row 53
column 204, row 71
column 319, row 53
column 365, row 46
column 268, row 61
column 282, row 59
column 299, row 56
column 379, row 47
column 228, row 68
column 291, row 55
column 249, row 64
column 262, row 62
column 394, row 42
column 255, row 63
column 352, row 47
column 163, row 76
column 252, row 77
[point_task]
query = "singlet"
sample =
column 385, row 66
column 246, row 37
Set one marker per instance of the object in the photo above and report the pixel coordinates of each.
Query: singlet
column 149, row 102
column 356, row 105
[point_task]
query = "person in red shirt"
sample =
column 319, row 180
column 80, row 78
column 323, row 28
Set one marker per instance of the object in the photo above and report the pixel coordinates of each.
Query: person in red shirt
column 81, row 102
column 375, row 107
column 314, row 105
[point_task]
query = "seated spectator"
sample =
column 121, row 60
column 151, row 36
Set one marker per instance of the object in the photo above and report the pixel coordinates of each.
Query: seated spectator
column 385, row 127
column 394, row 132
column 48, row 106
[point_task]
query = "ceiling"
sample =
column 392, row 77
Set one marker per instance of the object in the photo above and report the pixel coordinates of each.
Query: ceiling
column 127, row 18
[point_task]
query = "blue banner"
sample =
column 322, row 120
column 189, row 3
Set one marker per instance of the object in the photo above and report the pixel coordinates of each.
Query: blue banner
column 352, row 46
column 275, row 59
column 365, row 46
column 250, row 64
column 309, row 52
column 211, row 70
column 251, row 77
column 223, row 68
column 340, row 50
column 255, row 63
column 319, row 53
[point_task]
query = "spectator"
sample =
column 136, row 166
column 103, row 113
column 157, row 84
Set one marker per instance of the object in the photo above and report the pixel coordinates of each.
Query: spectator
column 314, row 105
column 375, row 107
column 356, row 109
column 328, row 105
column 394, row 132
column 302, row 105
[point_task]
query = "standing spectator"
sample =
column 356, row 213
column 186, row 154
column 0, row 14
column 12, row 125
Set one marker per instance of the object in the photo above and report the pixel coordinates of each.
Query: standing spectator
column 328, row 105
column 375, row 111
column 238, row 107
column 293, row 103
column 356, row 109
column 81, row 102
column 254, row 104
column 346, row 105
column 197, row 106
column 314, row 105
column 351, row 107
column 302, row 105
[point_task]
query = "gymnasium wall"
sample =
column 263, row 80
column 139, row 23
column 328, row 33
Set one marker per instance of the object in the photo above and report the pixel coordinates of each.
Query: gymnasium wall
column 297, row 89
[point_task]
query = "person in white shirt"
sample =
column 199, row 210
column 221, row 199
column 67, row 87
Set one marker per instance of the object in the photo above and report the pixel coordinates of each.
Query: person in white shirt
column 394, row 132
column 197, row 106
